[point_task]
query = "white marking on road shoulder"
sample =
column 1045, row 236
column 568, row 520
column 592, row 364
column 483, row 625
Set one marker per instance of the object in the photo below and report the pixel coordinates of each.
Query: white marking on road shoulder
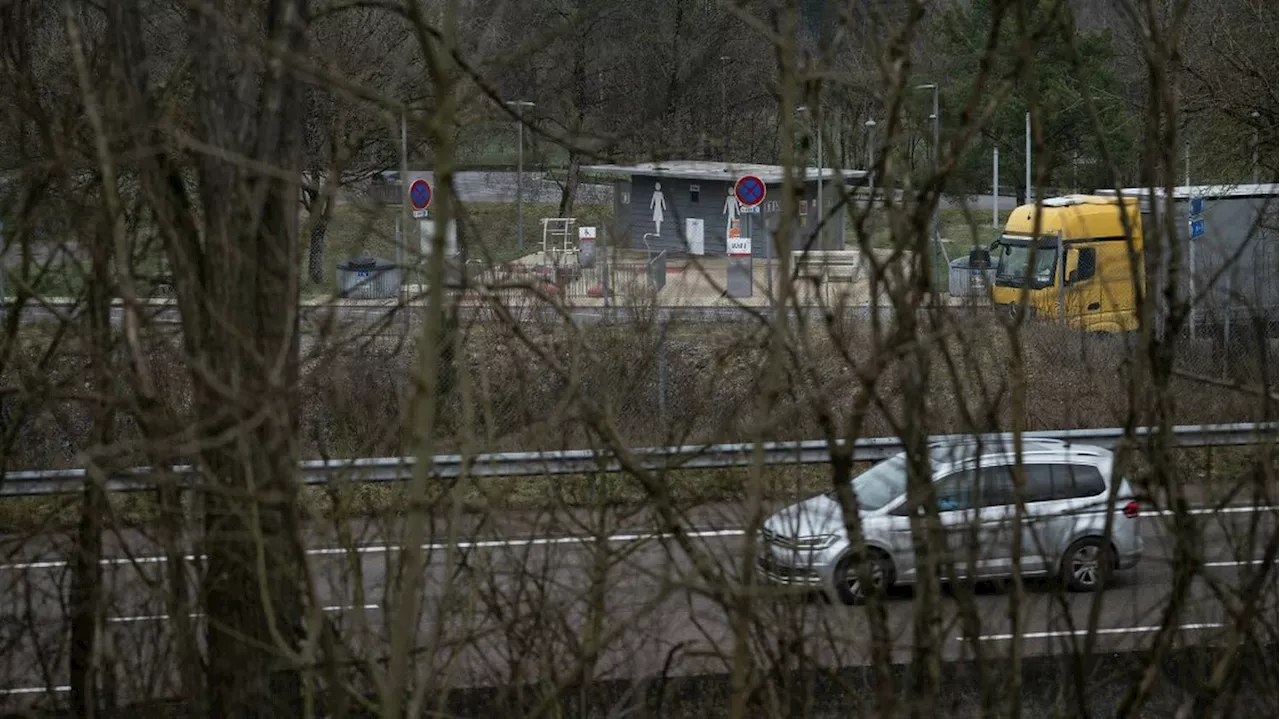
column 34, row 690
column 1083, row 632
column 1241, row 563
column 1235, row 509
column 165, row 617
column 388, row 548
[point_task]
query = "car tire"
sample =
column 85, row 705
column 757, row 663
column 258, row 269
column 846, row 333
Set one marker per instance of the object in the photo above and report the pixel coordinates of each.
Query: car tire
column 1087, row 565
column 848, row 584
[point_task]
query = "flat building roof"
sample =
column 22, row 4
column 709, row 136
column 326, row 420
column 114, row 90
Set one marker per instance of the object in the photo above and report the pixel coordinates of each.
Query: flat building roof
column 1183, row 192
column 722, row 171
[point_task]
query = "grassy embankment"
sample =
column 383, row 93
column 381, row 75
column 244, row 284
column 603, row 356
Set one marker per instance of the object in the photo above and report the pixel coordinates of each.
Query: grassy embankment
column 355, row 407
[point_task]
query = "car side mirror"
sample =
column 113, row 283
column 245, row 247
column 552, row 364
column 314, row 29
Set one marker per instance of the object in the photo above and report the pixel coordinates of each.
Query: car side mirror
column 1073, row 276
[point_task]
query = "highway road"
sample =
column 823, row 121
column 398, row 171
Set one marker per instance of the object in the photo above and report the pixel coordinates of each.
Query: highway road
column 517, row 607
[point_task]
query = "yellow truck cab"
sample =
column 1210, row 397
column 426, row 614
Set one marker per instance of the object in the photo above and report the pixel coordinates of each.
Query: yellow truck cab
column 1073, row 263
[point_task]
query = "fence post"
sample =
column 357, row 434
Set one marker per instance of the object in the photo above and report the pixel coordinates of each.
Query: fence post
column 604, row 268
column 1226, row 331
column 662, row 371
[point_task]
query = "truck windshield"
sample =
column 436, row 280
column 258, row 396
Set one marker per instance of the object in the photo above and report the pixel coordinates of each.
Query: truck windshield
column 1013, row 255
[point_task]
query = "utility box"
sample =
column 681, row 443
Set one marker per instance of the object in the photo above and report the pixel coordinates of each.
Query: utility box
column 969, row 277
column 368, row 278
column 586, row 247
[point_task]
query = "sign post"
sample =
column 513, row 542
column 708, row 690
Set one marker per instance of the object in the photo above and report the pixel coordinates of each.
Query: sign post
column 420, row 197
column 749, row 191
column 1195, row 230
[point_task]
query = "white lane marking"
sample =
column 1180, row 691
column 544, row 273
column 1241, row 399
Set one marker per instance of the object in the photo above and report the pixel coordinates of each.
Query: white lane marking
column 1236, row 509
column 388, row 548
column 165, row 617
column 34, row 690
column 1242, row 563
column 1100, row 630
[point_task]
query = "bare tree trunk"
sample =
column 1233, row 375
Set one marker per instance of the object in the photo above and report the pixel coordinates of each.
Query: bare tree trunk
column 315, row 248
column 86, row 578
column 237, row 284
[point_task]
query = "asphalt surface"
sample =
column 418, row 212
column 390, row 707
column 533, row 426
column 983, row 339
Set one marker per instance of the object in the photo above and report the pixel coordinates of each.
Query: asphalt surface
column 504, row 609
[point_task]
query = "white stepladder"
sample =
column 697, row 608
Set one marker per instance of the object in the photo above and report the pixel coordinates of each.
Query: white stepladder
column 559, row 241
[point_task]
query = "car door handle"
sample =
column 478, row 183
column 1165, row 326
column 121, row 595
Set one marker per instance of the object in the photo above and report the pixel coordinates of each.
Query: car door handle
column 1095, row 305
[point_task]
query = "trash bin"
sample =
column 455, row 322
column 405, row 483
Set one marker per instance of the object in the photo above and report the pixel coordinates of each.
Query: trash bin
column 969, row 277
column 368, row 278
column 586, row 252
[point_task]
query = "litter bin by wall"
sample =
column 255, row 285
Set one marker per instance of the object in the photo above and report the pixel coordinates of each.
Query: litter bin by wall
column 964, row 279
column 586, row 252
column 368, row 278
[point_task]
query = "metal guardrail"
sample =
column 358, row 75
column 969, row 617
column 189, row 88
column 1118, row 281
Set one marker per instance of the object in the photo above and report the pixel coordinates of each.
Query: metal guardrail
column 586, row 461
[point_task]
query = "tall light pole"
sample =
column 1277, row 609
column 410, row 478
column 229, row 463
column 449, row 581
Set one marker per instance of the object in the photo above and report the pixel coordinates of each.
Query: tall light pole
column 995, row 188
column 1254, row 115
column 1028, row 155
column 520, row 105
column 935, row 117
column 724, row 110
column 871, row 175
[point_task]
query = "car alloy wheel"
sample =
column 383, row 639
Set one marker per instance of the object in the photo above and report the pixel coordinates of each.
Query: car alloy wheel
column 1087, row 566
column 849, row 580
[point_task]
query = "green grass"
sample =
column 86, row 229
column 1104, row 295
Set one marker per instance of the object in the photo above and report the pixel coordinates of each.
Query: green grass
column 958, row 232
column 70, row 278
column 495, row 145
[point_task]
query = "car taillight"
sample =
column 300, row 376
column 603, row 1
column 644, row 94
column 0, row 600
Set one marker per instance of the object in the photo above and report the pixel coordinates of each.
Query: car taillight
column 1131, row 509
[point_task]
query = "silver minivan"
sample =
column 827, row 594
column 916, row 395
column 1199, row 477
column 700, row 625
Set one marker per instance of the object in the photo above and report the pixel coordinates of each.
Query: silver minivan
column 1066, row 493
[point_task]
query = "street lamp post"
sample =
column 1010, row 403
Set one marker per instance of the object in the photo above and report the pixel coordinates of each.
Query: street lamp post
column 935, row 117
column 1255, row 116
column 724, row 111
column 1027, row 169
column 871, row 175
column 520, row 105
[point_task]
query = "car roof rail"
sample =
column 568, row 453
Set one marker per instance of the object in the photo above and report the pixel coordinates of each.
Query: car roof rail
column 996, row 440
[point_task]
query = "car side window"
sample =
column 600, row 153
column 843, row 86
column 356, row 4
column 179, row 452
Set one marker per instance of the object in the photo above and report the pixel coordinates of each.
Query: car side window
column 956, row 491
column 1039, row 483
column 997, row 486
column 1076, row 481
column 1054, row 482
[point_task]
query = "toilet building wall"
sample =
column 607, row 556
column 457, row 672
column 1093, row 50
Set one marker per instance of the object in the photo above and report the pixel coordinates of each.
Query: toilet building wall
column 637, row 211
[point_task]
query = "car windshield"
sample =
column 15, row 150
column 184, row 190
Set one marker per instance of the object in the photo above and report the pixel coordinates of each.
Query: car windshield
column 881, row 484
column 1013, row 255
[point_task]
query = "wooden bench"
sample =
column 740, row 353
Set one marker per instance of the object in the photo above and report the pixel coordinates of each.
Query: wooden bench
column 827, row 265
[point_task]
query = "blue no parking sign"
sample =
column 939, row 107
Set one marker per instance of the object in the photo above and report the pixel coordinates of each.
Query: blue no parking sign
column 749, row 190
column 420, row 197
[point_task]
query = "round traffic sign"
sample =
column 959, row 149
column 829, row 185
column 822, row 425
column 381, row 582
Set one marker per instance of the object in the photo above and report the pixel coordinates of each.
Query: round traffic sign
column 420, row 194
column 750, row 190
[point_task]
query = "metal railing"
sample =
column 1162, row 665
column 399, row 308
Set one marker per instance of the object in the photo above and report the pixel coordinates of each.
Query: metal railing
column 587, row 461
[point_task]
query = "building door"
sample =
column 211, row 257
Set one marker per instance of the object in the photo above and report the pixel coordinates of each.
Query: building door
column 695, row 236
